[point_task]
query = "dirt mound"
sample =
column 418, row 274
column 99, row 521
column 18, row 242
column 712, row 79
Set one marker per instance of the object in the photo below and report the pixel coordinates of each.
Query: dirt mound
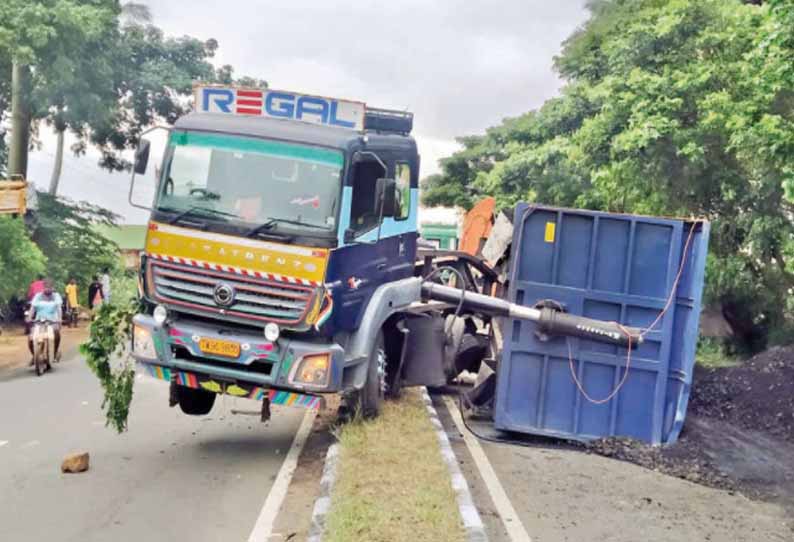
column 684, row 460
column 757, row 395
column 739, row 431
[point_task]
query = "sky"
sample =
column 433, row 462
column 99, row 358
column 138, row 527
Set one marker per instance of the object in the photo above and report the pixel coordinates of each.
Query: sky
column 460, row 66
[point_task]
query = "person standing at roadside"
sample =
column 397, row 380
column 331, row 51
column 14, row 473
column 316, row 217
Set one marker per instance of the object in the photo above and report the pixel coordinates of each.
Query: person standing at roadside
column 106, row 284
column 95, row 293
column 72, row 305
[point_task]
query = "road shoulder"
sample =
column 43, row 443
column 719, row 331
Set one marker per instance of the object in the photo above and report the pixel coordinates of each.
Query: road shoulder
column 561, row 493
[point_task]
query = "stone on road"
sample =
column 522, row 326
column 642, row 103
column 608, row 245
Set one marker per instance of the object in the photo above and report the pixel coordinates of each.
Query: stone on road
column 76, row 462
column 170, row 477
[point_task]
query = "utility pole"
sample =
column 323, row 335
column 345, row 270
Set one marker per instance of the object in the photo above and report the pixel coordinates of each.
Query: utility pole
column 20, row 121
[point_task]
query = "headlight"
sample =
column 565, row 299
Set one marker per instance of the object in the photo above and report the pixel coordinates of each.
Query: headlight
column 142, row 343
column 160, row 314
column 313, row 370
column 272, row 332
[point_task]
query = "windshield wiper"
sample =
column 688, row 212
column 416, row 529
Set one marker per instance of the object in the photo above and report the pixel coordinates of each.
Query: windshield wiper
column 270, row 223
column 195, row 210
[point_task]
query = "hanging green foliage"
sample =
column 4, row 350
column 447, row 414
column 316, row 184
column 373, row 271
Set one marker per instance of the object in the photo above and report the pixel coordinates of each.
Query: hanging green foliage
column 106, row 355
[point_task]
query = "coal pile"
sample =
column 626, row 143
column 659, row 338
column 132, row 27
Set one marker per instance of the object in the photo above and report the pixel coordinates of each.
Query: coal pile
column 738, row 435
column 684, row 460
column 757, row 394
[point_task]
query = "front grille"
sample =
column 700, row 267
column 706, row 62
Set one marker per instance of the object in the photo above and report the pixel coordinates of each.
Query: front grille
column 255, row 299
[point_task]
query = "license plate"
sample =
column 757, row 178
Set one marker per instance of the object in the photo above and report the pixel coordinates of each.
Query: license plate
column 229, row 349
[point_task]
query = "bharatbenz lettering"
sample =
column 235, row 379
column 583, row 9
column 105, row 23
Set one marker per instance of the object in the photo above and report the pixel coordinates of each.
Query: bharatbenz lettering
column 280, row 259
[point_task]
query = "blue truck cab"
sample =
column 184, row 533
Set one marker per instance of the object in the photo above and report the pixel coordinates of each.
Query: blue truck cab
column 282, row 238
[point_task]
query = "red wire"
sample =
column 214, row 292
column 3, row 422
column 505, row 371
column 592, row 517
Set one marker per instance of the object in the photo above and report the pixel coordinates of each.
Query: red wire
column 642, row 334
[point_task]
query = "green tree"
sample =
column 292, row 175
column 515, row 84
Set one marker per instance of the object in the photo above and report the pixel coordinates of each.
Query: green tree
column 153, row 82
column 97, row 69
column 64, row 231
column 671, row 107
column 46, row 40
column 20, row 259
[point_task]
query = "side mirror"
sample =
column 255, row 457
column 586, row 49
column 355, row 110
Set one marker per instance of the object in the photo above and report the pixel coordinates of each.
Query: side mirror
column 385, row 197
column 142, row 156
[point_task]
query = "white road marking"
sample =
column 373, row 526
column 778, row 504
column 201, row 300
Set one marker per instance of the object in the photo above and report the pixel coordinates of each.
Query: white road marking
column 3, row 443
column 267, row 516
column 510, row 520
column 30, row 444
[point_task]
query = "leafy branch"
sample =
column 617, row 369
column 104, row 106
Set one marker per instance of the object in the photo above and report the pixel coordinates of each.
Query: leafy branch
column 110, row 333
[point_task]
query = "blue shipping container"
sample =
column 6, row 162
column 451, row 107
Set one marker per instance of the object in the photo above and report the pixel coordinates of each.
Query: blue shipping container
column 609, row 267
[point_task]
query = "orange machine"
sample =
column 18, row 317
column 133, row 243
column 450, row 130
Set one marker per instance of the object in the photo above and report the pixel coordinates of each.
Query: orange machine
column 477, row 226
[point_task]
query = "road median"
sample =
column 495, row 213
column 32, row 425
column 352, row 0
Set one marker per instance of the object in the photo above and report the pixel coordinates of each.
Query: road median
column 391, row 481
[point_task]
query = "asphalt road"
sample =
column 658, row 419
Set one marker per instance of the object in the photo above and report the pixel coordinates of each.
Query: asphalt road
column 561, row 494
column 170, row 477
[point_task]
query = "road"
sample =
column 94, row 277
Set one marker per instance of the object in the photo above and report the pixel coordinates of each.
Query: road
column 170, row 477
column 560, row 494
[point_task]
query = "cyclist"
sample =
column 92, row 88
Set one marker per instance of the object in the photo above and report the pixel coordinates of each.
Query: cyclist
column 36, row 287
column 47, row 306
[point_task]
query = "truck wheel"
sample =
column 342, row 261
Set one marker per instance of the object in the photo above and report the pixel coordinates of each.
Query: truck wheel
column 368, row 400
column 195, row 402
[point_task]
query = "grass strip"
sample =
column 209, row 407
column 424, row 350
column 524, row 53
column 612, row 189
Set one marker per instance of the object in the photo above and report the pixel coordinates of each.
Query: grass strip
column 392, row 483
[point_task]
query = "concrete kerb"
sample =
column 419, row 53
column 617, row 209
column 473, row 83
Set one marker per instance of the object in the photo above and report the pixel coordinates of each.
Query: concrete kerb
column 323, row 502
column 472, row 523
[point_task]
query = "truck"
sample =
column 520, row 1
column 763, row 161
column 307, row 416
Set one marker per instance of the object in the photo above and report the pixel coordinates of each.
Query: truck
column 282, row 260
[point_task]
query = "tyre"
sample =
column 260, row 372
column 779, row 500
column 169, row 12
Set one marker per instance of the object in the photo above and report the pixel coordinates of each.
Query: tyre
column 368, row 399
column 195, row 402
column 39, row 356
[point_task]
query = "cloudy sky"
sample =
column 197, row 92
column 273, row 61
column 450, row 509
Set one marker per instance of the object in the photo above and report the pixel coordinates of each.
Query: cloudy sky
column 459, row 65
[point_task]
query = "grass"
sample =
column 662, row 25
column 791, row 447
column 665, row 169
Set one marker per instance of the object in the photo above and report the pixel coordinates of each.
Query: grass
column 392, row 483
column 713, row 354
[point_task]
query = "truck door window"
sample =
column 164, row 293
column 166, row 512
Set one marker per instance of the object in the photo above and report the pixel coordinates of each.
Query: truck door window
column 402, row 175
column 362, row 213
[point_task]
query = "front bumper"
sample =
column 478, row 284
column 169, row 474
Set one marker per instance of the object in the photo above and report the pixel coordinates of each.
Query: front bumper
column 249, row 391
column 268, row 366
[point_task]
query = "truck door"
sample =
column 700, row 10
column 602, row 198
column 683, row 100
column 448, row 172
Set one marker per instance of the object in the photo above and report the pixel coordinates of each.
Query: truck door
column 374, row 251
column 393, row 237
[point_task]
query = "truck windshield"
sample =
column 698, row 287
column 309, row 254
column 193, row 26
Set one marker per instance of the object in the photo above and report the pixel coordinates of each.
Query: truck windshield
column 251, row 181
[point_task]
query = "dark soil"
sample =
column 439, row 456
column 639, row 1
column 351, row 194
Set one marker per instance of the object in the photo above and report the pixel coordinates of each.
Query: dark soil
column 739, row 432
column 684, row 460
column 757, row 395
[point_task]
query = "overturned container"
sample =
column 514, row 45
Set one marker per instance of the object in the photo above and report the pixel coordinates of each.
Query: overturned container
column 639, row 271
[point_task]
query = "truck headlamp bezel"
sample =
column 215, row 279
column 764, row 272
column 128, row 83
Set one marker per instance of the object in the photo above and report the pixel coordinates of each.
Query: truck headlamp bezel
column 160, row 314
column 143, row 342
column 312, row 371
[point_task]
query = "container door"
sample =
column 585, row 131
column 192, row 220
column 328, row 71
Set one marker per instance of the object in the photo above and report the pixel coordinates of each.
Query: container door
column 610, row 267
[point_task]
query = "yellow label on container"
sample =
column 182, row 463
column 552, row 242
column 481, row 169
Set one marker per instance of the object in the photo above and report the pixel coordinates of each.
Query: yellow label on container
column 550, row 231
